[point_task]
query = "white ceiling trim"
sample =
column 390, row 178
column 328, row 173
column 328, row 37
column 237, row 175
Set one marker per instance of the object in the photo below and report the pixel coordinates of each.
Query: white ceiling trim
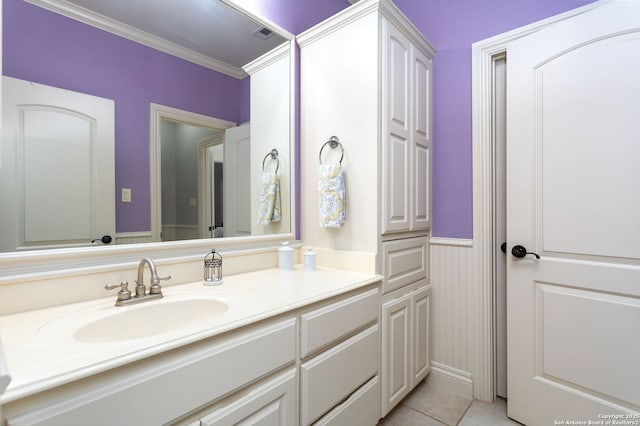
column 102, row 22
column 267, row 59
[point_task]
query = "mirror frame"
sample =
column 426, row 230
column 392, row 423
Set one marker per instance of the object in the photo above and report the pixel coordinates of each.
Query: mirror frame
column 27, row 265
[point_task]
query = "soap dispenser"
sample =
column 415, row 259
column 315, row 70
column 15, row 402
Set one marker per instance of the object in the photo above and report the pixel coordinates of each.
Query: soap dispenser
column 309, row 260
column 285, row 257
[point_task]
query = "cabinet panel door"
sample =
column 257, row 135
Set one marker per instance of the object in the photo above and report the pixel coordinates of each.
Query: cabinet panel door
column 420, row 304
column 270, row 404
column 396, row 351
column 421, row 135
column 396, row 163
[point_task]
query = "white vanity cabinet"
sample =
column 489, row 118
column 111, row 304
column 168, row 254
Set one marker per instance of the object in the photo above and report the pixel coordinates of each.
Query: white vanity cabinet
column 405, row 318
column 406, row 131
column 337, row 375
column 318, row 363
column 405, row 343
column 366, row 78
column 272, row 403
column 340, row 360
column 165, row 387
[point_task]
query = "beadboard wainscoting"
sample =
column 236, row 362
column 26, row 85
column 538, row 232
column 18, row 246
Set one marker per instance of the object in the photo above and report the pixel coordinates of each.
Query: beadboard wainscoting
column 459, row 321
column 133, row 237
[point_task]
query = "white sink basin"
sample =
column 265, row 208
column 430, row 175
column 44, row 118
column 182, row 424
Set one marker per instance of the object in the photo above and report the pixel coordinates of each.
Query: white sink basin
column 177, row 314
column 150, row 319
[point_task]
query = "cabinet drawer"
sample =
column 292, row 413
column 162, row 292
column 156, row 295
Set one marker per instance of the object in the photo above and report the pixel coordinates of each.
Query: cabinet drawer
column 361, row 408
column 330, row 323
column 271, row 403
column 333, row 375
column 167, row 387
column 404, row 262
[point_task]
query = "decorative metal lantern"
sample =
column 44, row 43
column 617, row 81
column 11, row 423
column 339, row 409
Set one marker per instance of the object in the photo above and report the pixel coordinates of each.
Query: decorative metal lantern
column 213, row 268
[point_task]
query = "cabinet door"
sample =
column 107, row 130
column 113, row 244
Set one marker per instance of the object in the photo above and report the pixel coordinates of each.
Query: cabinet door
column 421, row 137
column 420, row 305
column 396, row 153
column 396, row 351
column 270, row 404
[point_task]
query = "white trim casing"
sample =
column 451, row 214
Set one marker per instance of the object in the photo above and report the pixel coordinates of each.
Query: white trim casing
column 159, row 113
column 482, row 334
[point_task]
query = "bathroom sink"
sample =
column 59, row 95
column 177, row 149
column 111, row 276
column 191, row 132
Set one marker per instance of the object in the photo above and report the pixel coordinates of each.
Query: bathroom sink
column 150, row 319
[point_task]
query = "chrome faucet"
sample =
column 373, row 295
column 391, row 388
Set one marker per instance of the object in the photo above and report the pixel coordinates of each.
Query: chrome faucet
column 154, row 288
column 155, row 291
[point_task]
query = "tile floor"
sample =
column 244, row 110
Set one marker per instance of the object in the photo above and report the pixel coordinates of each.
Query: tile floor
column 429, row 405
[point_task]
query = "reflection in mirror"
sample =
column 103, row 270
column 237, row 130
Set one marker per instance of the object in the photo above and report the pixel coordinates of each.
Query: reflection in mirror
column 104, row 58
column 185, row 186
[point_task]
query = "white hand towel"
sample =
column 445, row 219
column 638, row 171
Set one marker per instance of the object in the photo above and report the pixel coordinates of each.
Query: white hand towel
column 331, row 193
column 269, row 206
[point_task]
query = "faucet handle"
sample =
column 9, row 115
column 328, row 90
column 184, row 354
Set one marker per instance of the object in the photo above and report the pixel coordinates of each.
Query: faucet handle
column 124, row 293
column 155, row 284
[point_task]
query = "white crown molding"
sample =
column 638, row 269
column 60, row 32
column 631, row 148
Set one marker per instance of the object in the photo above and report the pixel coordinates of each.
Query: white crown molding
column 337, row 21
column 395, row 15
column 235, row 5
column 360, row 9
column 268, row 58
column 102, row 22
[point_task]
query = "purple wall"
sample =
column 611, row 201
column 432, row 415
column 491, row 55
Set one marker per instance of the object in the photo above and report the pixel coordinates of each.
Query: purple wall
column 450, row 25
column 48, row 48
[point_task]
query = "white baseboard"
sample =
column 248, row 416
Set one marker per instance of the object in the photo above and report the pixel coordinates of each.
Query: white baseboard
column 451, row 379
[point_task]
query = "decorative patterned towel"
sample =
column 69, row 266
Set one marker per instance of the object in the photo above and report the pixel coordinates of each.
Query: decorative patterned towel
column 331, row 194
column 269, row 207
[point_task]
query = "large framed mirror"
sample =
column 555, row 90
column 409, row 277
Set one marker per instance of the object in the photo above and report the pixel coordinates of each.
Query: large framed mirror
column 164, row 67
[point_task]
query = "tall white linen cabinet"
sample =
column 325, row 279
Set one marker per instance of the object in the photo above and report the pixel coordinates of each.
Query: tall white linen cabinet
column 365, row 77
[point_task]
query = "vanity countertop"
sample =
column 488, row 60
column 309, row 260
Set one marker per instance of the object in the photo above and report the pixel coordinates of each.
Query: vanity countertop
column 42, row 353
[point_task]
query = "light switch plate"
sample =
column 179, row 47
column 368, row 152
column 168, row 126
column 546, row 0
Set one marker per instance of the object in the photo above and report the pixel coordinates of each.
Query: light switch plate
column 126, row 195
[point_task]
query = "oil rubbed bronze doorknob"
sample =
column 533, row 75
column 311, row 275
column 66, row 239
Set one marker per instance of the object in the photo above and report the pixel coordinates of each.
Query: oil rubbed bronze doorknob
column 521, row 251
column 106, row 239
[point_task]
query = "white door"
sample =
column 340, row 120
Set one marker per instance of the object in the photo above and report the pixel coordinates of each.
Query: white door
column 56, row 166
column 573, row 194
column 237, row 178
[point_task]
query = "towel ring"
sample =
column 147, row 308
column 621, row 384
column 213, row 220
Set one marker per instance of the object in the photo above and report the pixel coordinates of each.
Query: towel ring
column 333, row 143
column 274, row 156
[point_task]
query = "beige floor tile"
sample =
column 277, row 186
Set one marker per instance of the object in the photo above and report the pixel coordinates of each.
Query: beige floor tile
column 441, row 404
column 405, row 416
column 484, row 413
